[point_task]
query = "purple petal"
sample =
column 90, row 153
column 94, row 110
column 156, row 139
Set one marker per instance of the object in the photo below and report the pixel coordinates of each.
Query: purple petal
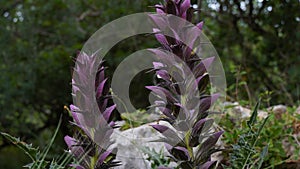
column 167, row 112
column 103, row 157
column 168, row 147
column 170, row 134
column 112, row 124
column 73, row 108
column 200, row 25
column 207, row 62
column 100, row 88
column 72, row 143
column 157, row 65
column 199, row 125
column 186, row 4
column 75, row 89
column 108, row 111
column 160, row 9
column 163, row 55
column 187, row 51
column 210, row 142
column 78, row 118
column 160, row 128
column 198, row 80
column 184, row 111
column 161, row 92
column 163, row 74
column 160, row 37
column 206, row 102
column 159, row 20
column 201, row 68
column 182, row 152
column 101, row 73
column 176, row 35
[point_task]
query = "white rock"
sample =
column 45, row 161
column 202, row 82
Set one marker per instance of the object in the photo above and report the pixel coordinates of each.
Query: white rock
column 262, row 114
column 278, row 109
column 130, row 142
column 241, row 112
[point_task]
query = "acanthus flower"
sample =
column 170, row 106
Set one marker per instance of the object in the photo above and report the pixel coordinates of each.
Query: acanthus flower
column 92, row 115
column 181, row 91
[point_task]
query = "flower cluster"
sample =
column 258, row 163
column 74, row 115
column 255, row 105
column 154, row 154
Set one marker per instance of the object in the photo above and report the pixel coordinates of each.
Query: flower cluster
column 90, row 144
column 181, row 91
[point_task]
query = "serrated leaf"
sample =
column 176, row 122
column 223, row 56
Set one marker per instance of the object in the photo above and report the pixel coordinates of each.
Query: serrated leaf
column 27, row 148
column 153, row 155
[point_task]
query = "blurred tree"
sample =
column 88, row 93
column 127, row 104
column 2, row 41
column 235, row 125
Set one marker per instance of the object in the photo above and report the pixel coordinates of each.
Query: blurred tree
column 39, row 41
column 263, row 38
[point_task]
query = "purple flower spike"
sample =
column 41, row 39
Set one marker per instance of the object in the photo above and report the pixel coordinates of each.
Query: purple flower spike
column 184, row 102
column 96, row 125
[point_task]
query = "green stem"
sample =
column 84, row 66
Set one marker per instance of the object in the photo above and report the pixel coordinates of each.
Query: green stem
column 51, row 142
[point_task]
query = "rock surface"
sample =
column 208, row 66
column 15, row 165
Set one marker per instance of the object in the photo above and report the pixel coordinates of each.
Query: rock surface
column 242, row 112
column 278, row 110
column 130, row 143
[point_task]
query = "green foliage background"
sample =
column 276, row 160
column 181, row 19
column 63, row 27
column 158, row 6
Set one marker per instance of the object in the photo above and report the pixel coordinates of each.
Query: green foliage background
column 257, row 41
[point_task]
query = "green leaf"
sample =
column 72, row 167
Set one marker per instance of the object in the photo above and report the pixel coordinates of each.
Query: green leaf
column 27, row 148
column 263, row 155
column 262, row 125
column 156, row 159
column 253, row 117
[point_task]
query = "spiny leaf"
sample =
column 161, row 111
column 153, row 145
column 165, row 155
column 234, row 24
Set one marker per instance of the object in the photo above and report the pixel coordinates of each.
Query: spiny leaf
column 27, row 148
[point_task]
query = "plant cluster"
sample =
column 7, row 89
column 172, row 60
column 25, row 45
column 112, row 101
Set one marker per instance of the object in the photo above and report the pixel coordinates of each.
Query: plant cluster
column 181, row 96
column 279, row 134
column 244, row 154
